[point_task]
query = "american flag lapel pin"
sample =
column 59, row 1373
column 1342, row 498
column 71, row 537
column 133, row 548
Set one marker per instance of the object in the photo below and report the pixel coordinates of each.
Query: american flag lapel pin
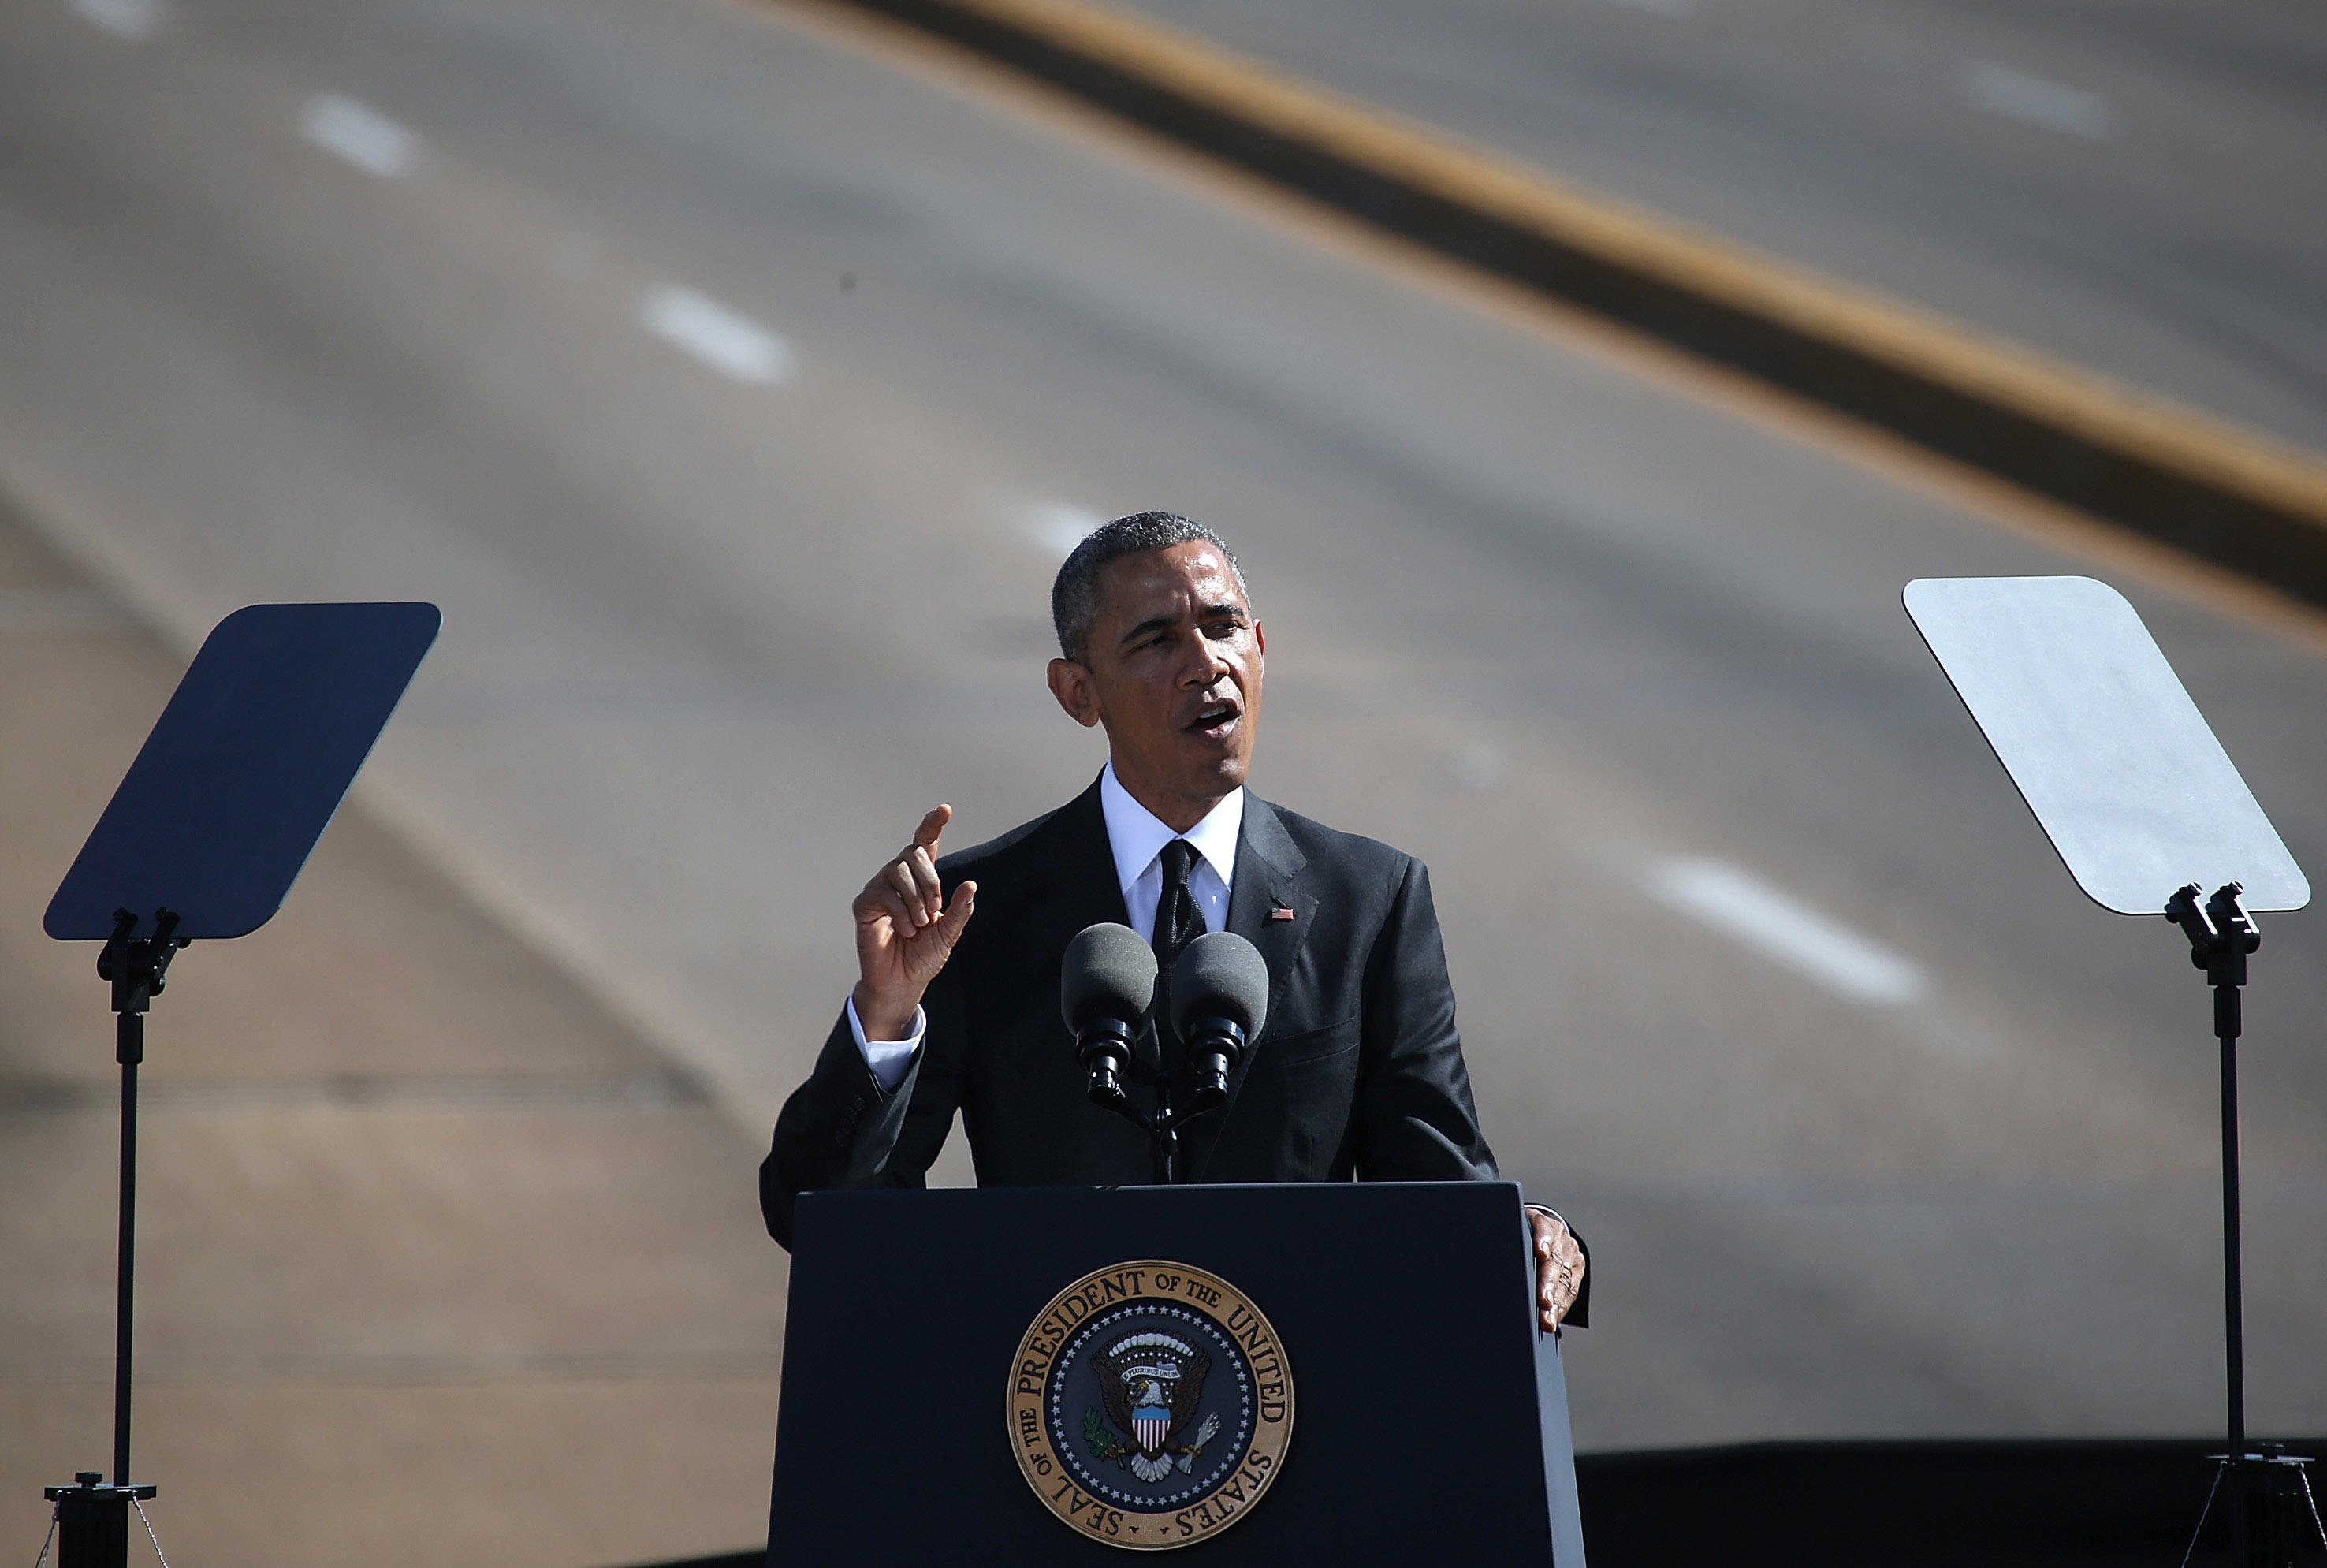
column 1279, row 912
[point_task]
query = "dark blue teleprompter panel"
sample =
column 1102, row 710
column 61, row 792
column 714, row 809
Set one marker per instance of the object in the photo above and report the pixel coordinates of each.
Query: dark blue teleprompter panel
column 244, row 769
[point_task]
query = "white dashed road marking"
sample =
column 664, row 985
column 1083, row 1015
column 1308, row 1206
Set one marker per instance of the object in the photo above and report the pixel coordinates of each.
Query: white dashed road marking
column 730, row 343
column 1057, row 529
column 2036, row 100
column 1477, row 765
column 135, row 20
column 1740, row 906
column 1676, row 8
column 359, row 134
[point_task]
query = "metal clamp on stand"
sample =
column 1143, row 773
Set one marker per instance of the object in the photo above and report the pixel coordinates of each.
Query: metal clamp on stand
column 2221, row 935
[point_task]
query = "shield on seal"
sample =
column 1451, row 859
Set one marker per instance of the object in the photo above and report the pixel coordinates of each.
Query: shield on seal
column 1150, row 1384
column 1151, row 1425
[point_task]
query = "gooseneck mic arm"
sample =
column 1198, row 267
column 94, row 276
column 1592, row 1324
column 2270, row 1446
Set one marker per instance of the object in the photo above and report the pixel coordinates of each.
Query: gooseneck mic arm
column 1215, row 1045
column 1105, row 1047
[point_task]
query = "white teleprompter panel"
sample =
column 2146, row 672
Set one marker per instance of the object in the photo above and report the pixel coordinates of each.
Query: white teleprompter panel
column 2122, row 770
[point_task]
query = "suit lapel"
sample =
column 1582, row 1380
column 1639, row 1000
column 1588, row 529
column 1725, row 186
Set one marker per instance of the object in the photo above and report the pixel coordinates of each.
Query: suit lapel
column 1062, row 880
column 1083, row 866
column 1268, row 870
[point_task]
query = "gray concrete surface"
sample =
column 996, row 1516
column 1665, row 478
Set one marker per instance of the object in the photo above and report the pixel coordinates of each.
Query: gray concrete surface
column 440, row 1264
column 1553, row 611
column 2137, row 186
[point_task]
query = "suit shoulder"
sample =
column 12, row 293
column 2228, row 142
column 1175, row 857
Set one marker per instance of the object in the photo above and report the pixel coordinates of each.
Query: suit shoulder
column 1027, row 838
column 1350, row 854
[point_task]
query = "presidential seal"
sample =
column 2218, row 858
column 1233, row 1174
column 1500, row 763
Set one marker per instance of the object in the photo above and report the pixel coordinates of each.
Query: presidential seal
column 1150, row 1405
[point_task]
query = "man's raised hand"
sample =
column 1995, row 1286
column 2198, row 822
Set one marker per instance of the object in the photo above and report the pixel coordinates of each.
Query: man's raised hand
column 906, row 931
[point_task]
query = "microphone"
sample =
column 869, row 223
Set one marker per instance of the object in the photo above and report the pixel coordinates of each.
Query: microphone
column 1219, row 999
column 1105, row 988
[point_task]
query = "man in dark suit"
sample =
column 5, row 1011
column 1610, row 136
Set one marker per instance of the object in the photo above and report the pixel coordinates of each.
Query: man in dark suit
column 1358, row 1071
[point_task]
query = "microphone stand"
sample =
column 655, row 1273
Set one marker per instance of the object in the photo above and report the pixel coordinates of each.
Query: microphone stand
column 2268, row 1486
column 1217, row 1046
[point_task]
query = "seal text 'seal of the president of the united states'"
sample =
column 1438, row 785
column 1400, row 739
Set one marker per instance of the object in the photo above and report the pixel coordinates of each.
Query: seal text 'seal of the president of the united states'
column 1151, row 1405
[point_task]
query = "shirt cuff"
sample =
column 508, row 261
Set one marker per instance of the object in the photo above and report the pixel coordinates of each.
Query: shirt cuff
column 887, row 1059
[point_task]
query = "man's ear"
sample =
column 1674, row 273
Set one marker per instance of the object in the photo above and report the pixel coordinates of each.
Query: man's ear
column 1070, row 682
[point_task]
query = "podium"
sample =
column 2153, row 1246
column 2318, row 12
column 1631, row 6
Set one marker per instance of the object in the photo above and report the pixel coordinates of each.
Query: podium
column 1345, row 1372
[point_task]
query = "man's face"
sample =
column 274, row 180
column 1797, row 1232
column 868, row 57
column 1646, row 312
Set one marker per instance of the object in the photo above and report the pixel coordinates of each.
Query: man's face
column 1173, row 669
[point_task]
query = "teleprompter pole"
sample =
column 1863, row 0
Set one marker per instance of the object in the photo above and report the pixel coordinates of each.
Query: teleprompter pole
column 129, row 1050
column 136, row 967
column 2267, row 1497
column 2234, row 1353
column 2221, row 934
column 93, row 1514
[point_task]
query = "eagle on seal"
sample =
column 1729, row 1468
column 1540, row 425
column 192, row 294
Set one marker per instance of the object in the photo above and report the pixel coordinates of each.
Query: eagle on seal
column 1151, row 1384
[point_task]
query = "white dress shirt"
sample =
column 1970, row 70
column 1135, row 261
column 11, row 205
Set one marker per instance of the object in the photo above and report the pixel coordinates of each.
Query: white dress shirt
column 1138, row 836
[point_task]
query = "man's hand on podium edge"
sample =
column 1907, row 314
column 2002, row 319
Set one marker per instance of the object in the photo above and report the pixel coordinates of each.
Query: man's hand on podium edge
column 905, row 932
column 1558, row 1265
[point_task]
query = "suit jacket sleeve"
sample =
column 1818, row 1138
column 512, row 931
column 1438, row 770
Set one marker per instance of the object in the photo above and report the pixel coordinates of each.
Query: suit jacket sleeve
column 838, row 1130
column 841, row 1129
column 1414, row 1120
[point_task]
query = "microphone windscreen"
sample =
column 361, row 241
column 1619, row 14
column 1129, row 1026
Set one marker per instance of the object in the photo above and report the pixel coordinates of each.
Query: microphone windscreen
column 1220, row 975
column 1109, row 973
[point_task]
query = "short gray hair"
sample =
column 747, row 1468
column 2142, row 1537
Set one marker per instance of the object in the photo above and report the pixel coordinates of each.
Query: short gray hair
column 1074, row 596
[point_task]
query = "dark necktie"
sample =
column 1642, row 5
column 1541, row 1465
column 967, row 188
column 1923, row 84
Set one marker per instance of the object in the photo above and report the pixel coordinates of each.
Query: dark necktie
column 1178, row 922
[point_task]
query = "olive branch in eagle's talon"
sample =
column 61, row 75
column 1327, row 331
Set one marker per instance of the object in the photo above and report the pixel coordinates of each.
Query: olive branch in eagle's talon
column 1103, row 1443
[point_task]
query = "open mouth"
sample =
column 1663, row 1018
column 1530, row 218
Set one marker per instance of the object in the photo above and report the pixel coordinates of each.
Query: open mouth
column 1217, row 720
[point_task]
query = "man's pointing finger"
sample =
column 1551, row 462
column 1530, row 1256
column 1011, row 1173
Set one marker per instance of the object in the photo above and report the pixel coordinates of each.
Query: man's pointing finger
column 932, row 827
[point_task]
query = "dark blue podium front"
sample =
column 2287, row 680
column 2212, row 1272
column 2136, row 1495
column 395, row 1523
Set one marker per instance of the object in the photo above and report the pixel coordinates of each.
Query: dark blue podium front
column 1431, row 1422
